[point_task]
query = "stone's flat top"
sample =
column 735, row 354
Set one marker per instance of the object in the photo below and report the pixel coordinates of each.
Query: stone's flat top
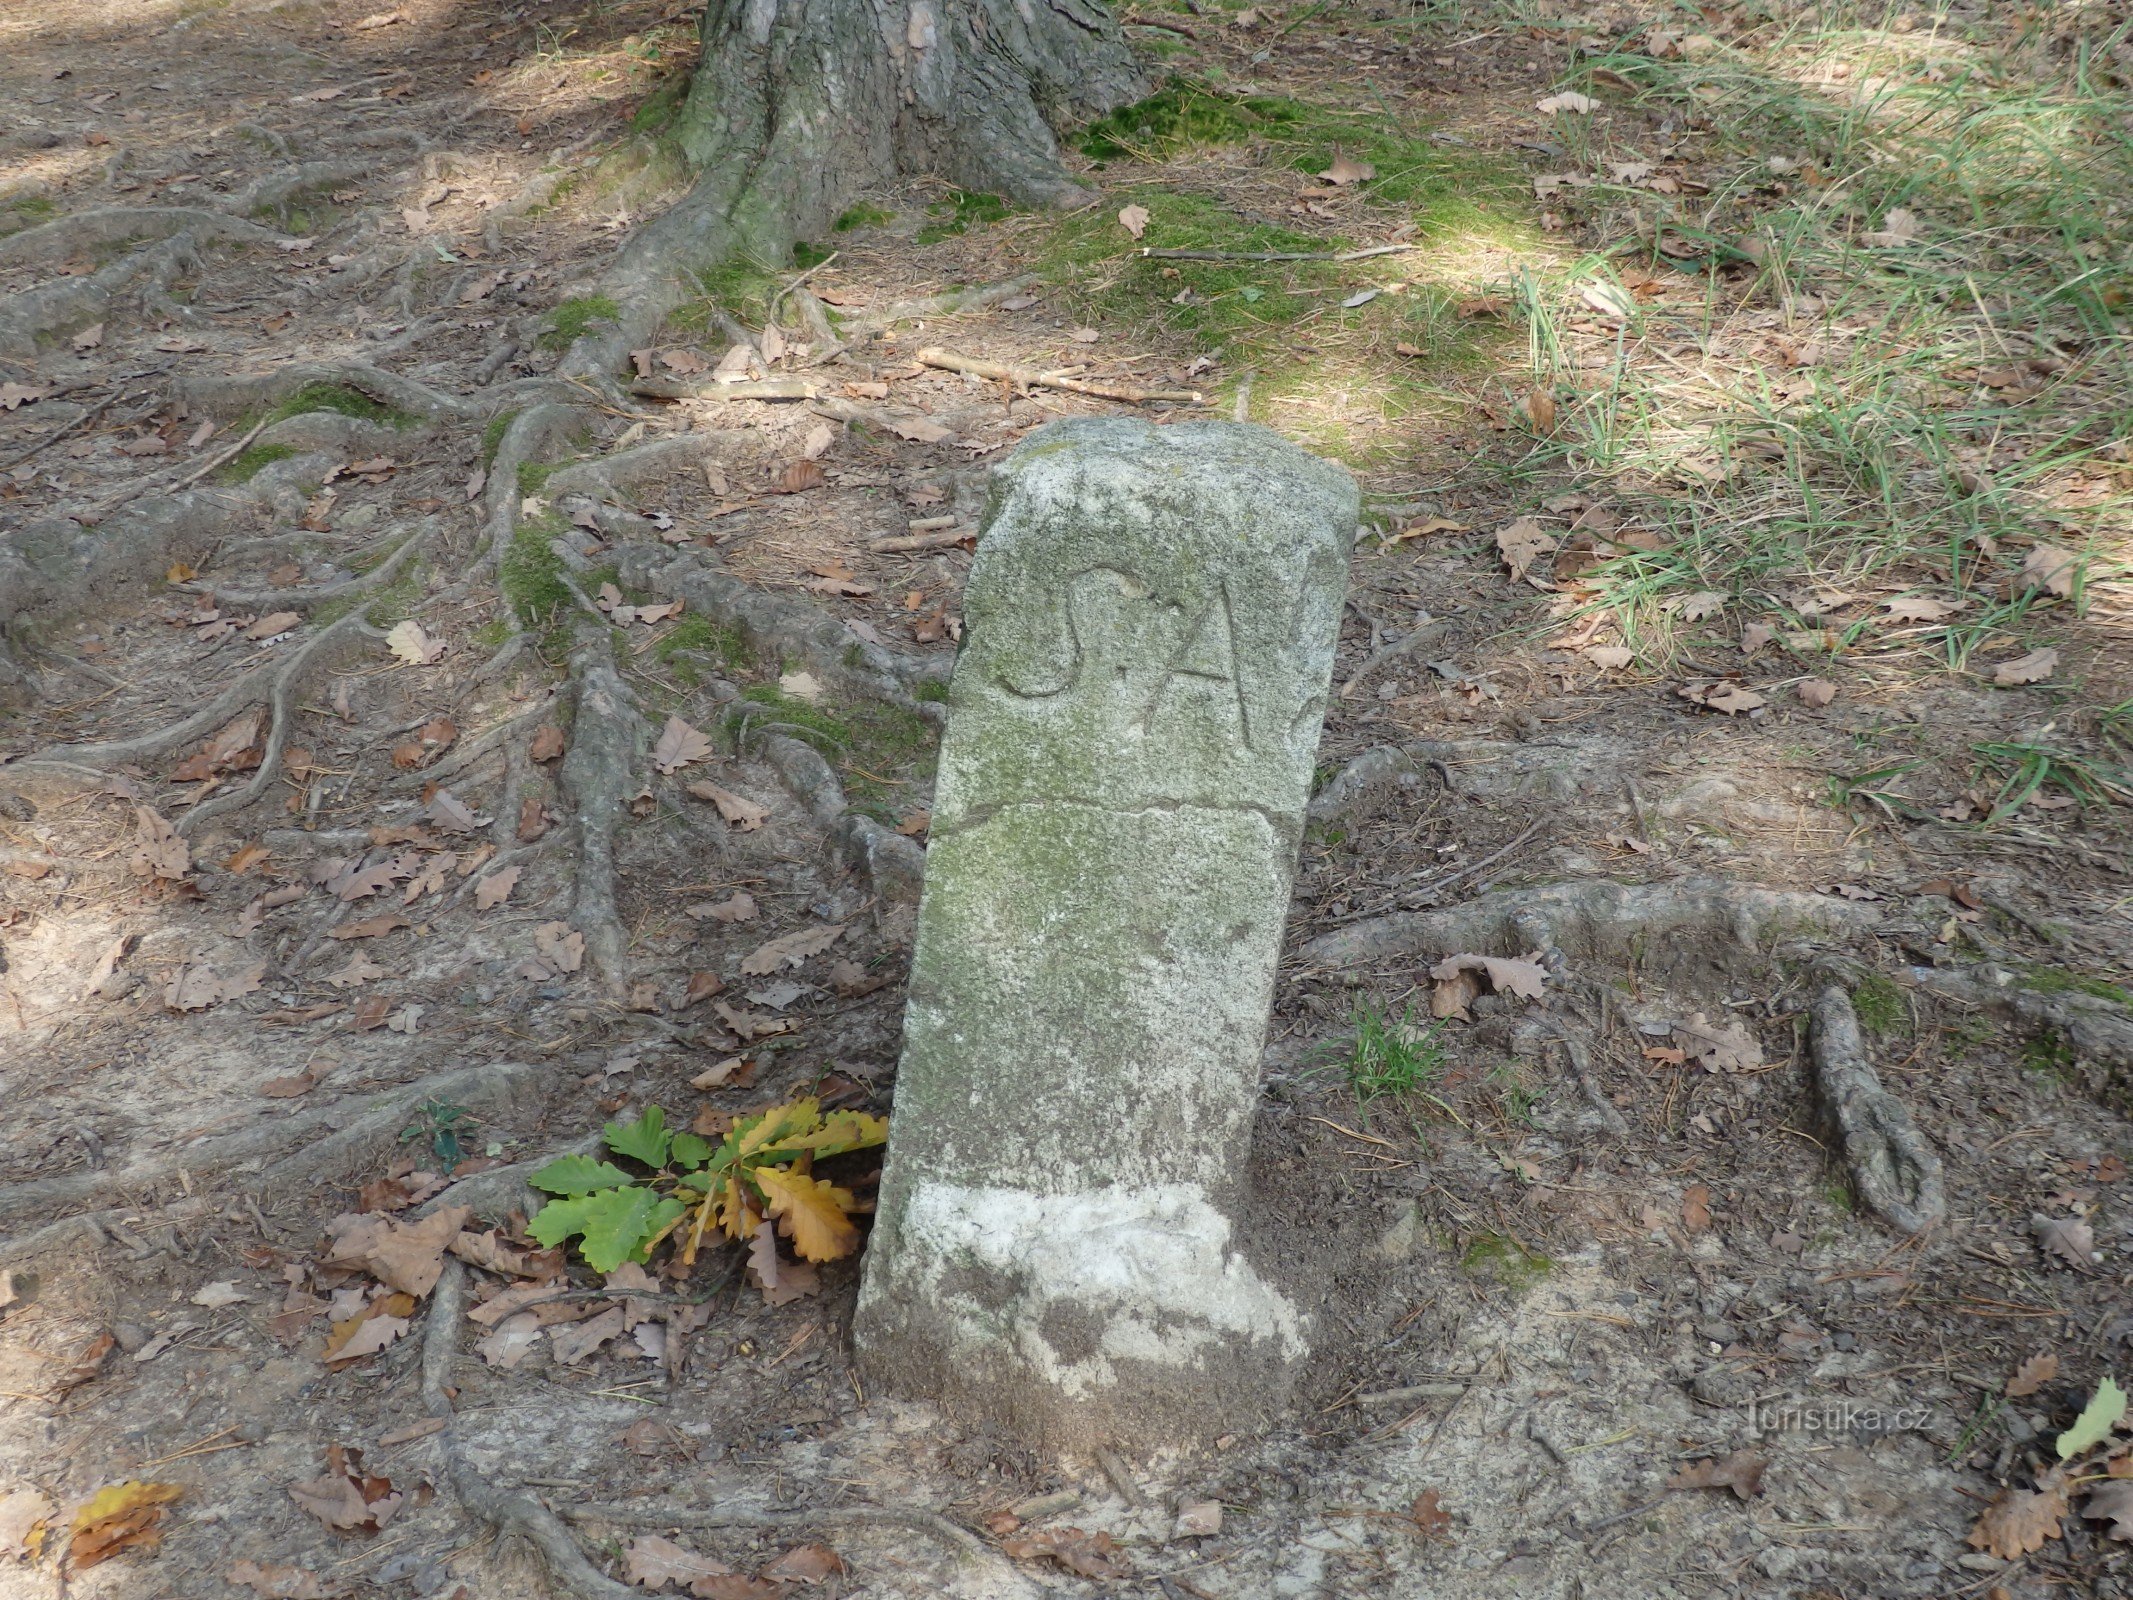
column 1152, row 616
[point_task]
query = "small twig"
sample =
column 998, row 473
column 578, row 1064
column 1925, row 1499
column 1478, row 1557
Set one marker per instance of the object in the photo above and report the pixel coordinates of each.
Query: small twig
column 1025, row 377
column 907, row 543
column 1274, row 255
column 802, row 278
column 1150, row 22
column 62, row 431
column 710, row 388
column 1426, row 628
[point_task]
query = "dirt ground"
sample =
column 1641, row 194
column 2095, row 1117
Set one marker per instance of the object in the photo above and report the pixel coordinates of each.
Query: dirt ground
column 306, row 917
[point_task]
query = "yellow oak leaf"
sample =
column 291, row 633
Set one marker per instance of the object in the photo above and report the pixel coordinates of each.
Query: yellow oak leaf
column 811, row 1212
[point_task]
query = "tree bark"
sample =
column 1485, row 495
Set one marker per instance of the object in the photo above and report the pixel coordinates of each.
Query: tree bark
column 799, row 106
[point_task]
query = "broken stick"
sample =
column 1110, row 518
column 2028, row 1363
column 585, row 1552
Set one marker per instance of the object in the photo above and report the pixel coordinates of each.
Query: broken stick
column 1026, row 377
column 933, row 539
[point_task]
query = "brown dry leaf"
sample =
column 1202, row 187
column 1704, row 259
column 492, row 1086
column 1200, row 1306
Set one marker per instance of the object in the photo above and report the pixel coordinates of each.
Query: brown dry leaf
column 560, row 945
column 532, row 819
column 2050, row 568
column 1816, row 692
column 805, row 1563
column 547, row 743
column 2033, row 1375
column 799, row 477
column 1521, row 543
column 573, row 1344
column 743, row 814
column 158, row 852
column 1092, row 1555
column 1134, row 219
column 1539, row 407
column 1429, row 1516
column 411, row 644
column 790, row 950
column 679, row 745
column 372, row 1329
column 1610, row 657
column 2032, row 668
column 369, row 927
column 1921, row 608
column 1729, row 698
column 1696, row 607
column 780, row 1281
column 2112, row 1503
column 403, row 1256
column 702, row 986
column 495, row 889
column 22, row 1514
column 287, row 1581
column 2020, row 1522
column 347, row 1498
column 511, row 1341
column 1696, row 1207
column 245, row 858
column 120, row 1517
column 489, row 1251
column 1344, row 171
column 1898, row 228
column 1718, row 1047
column 1525, row 977
column 1569, row 100
column 737, row 907
column 272, row 625
column 195, row 988
column 2070, row 1241
column 1742, row 1472
column 652, row 1563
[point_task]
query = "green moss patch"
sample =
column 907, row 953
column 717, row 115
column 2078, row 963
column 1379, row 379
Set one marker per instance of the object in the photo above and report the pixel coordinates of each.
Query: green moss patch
column 342, row 398
column 569, row 321
column 248, row 463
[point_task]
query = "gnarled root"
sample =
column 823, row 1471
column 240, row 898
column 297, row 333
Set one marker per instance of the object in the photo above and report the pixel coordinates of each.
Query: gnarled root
column 354, row 1129
column 1611, row 921
column 599, row 775
column 1890, row 1164
column 778, row 627
column 279, row 700
column 2097, row 1031
column 512, row 1515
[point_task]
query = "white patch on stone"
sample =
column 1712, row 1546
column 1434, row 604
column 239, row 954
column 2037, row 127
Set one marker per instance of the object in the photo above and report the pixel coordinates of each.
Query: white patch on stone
column 1153, row 1266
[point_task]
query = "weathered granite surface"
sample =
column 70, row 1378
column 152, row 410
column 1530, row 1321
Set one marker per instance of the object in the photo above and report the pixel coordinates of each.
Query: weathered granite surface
column 1150, row 629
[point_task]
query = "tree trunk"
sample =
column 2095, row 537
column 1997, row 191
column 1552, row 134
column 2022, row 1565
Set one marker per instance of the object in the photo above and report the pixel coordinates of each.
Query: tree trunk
column 799, row 106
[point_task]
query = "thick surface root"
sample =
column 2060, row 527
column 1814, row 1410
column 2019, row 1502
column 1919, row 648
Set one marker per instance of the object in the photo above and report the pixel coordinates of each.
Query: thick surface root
column 511, row 1515
column 1895, row 1172
column 599, row 775
column 1610, row 922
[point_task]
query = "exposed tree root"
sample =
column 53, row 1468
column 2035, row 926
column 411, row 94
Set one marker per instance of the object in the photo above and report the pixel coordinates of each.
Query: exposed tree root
column 51, row 567
column 36, row 316
column 355, row 1129
column 286, row 682
column 512, row 1515
column 893, row 866
column 1893, row 1169
column 780, row 627
column 86, row 232
column 229, row 395
column 1598, row 921
column 626, row 473
column 599, row 775
column 2097, row 1031
column 305, row 595
column 930, row 1523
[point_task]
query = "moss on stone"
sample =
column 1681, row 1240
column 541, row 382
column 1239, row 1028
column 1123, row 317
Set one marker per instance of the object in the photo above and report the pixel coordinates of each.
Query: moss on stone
column 249, row 462
column 342, row 398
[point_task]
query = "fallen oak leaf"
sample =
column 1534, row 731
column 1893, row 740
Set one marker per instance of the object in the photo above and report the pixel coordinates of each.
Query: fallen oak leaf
column 1742, row 1472
column 744, row 814
column 2032, row 668
column 2070, row 1240
column 1092, row 1555
column 411, row 644
column 1719, row 1047
column 790, row 950
column 287, row 1581
column 653, row 1562
column 2050, row 568
column 679, row 745
column 345, row 1497
column 2020, row 1521
column 2033, row 1375
column 120, row 1517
